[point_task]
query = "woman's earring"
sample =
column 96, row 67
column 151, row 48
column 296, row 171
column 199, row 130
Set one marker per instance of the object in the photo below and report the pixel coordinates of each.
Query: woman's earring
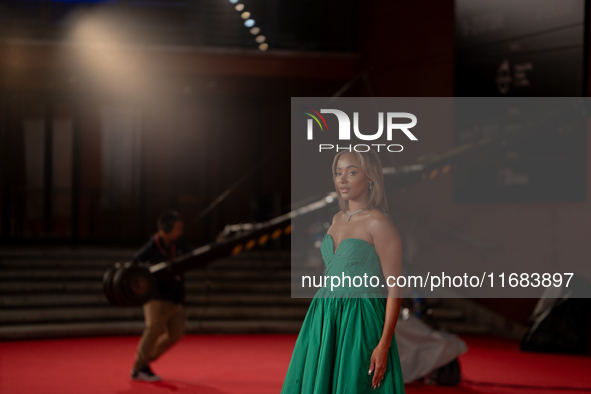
column 370, row 185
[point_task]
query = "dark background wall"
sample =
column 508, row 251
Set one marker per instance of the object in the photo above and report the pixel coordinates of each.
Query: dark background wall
column 193, row 136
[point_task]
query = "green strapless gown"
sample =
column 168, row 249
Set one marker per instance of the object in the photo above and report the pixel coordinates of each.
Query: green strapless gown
column 342, row 328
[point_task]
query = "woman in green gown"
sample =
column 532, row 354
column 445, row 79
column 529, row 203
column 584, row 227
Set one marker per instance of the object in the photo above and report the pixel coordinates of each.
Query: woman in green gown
column 347, row 342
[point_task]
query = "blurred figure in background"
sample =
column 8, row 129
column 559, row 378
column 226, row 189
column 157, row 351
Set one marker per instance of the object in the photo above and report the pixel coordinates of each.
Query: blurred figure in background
column 164, row 315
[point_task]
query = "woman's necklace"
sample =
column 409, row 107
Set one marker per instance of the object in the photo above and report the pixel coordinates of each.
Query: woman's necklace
column 354, row 213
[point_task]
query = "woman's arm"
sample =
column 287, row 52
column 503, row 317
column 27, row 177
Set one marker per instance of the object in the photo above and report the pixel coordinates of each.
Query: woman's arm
column 389, row 249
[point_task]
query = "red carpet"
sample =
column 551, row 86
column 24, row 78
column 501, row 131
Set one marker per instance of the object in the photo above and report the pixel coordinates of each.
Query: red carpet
column 224, row 364
column 500, row 361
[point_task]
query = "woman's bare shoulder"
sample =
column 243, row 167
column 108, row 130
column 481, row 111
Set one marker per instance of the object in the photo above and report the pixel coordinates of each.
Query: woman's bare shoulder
column 337, row 216
column 379, row 216
column 381, row 222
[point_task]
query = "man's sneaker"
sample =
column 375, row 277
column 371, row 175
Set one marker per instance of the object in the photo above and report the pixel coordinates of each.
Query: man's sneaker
column 145, row 374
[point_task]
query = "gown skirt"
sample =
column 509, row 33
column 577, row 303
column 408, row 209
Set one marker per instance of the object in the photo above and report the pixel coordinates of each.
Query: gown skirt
column 333, row 350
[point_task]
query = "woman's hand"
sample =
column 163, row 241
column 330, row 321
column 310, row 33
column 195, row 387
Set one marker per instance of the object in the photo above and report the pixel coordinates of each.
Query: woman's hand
column 378, row 363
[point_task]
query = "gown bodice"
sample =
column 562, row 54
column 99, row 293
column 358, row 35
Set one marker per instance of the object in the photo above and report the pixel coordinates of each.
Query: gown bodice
column 356, row 259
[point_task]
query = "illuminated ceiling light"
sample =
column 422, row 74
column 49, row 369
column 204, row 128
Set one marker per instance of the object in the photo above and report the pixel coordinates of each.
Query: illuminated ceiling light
column 249, row 23
column 264, row 46
column 233, row 1
column 245, row 15
column 239, row 7
column 255, row 31
column 260, row 39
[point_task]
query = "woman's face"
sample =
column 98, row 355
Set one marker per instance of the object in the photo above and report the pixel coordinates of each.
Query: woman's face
column 350, row 181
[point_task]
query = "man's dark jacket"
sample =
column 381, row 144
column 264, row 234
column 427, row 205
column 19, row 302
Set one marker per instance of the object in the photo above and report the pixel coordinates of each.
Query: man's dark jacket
column 172, row 289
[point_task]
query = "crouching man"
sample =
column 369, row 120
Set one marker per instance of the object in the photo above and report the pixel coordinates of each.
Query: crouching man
column 164, row 315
